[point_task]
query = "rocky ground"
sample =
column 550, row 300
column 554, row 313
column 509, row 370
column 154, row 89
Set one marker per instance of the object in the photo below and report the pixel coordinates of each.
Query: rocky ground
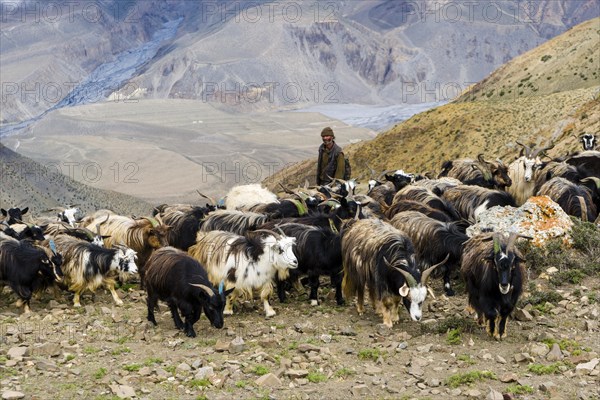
column 101, row 351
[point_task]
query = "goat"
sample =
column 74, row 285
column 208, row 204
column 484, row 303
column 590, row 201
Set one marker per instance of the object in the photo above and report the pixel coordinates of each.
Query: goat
column 588, row 141
column 493, row 175
column 61, row 228
column 88, row 266
column 246, row 262
column 22, row 230
column 318, row 250
column 233, row 221
column 470, row 201
column 14, row 215
column 412, row 205
column 384, row 192
column 24, row 267
column 142, row 235
column 377, row 255
column 284, row 208
column 433, row 241
column 586, row 162
column 522, row 172
column 439, row 185
column 575, row 200
column 178, row 279
column 428, row 197
column 245, row 196
column 555, row 169
column 492, row 270
column 185, row 222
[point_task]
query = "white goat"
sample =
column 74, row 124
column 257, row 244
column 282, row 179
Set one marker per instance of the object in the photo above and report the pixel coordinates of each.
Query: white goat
column 522, row 171
column 247, row 262
column 245, row 196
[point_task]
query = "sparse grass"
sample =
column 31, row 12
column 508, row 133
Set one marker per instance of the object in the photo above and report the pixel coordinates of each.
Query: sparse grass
column 241, row 384
column 517, row 389
column 469, row 378
column 541, row 369
column 170, row 369
column 370, row 354
column 464, row 324
column 152, row 360
column 454, row 336
column 90, row 350
column 69, row 357
column 199, row 383
column 316, row 377
column 100, row 373
column 120, row 350
column 466, row 358
column 260, row 370
column 344, row 373
column 132, row 367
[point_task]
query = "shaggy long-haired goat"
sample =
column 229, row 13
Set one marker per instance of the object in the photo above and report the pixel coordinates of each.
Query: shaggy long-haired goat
column 382, row 258
column 492, row 270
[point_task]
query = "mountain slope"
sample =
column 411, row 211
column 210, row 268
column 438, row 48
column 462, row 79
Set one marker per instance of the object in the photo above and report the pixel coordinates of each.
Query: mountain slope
column 26, row 183
column 489, row 124
column 292, row 53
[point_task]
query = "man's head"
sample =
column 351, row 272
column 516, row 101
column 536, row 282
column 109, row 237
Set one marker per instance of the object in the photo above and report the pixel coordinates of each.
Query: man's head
column 327, row 136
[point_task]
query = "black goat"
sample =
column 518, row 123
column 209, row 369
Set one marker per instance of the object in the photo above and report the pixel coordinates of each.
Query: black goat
column 574, row 199
column 492, row 270
column 178, row 279
column 25, row 267
column 14, row 215
column 470, row 200
column 318, row 250
column 433, row 240
column 185, row 222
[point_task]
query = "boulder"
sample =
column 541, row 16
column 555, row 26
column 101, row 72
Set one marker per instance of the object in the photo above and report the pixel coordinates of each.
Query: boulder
column 540, row 218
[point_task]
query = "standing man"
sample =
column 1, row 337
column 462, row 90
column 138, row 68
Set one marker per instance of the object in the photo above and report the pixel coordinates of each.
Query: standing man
column 331, row 159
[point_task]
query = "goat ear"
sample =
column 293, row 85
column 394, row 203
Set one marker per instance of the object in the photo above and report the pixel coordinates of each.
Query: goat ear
column 404, row 290
column 4, row 212
column 24, row 211
column 228, row 291
column 430, row 292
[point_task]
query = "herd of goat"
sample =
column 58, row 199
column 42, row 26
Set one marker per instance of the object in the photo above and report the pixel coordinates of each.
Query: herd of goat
column 388, row 241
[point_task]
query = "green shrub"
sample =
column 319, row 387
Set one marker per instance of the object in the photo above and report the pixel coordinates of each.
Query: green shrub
column 519, row 389
column 468, row 378
column 316, row 377
column 454, row 336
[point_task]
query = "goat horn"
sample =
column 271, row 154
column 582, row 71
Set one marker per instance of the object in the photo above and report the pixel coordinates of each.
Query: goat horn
column 208, row 290
column 594, row 179
column 412, row 282
column 371, row 171
column 499, row 161
column 481, row 159
column 527, row 149
column 512, row 240
column 428, row 271
column 207, row 197
column 387, row 171
column 153, row 221
column 583, row 208
column 286, row 190
column 541, row 150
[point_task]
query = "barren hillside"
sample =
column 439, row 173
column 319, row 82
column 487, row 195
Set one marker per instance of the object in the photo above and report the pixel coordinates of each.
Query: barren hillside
column 549, row 93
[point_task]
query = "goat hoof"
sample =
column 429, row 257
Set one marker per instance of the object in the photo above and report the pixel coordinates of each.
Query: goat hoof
column 271, row 314
column 190, row 334
column 314, row 302
column 450, row 292
column 227, row 312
